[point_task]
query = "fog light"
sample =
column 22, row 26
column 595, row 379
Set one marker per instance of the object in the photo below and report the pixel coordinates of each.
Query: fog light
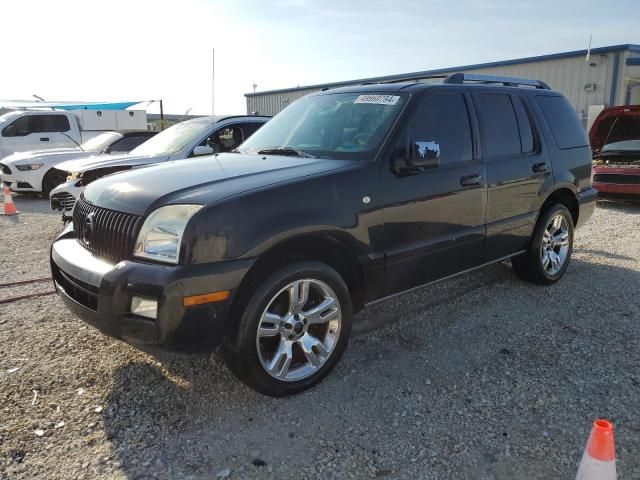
column 145, row 307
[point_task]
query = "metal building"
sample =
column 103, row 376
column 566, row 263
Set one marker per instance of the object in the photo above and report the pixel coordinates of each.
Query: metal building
column 609, row 76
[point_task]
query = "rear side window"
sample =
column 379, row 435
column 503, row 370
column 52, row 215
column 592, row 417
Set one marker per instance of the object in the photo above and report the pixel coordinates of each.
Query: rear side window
column 498, row 125
column 563, row 122
column 59, row 123
column 444, row 119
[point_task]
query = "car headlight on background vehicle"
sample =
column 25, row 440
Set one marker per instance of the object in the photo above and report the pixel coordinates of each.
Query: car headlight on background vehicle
column 160, row 236
column 29, row 166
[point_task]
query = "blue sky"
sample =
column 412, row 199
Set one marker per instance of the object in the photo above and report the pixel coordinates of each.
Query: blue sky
column 122, row 50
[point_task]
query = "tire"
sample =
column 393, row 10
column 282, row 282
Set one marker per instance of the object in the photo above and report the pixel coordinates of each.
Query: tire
column 51, row 180
column 280, row 361
column 547, row 258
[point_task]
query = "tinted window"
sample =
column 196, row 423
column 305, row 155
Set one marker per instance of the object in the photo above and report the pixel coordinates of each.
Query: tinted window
column 500, row 135
column 524, row 126
column 26, row 125
column 36, row 124
column 444, row 119
column 59, row 123
column 128, row 143
column 563, row 121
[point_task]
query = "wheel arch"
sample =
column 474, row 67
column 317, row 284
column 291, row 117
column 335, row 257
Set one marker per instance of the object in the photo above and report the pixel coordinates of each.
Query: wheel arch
column 321, row 247
column 565, row 196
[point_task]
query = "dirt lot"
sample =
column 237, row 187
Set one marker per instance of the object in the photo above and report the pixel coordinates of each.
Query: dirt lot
column 481, row 377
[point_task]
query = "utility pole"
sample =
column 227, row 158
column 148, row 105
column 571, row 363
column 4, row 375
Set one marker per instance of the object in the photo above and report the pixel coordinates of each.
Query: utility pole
column 213, row 73
column 161, row 116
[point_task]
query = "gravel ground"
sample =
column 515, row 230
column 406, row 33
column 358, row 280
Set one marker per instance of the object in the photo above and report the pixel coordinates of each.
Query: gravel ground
column 481, row 377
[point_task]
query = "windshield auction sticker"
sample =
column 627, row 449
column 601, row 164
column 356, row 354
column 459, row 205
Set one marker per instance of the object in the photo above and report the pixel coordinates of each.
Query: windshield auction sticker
column 378, row 99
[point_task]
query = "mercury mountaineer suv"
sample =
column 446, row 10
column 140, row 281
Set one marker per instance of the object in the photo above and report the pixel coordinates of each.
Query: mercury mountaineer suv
column 345, row 198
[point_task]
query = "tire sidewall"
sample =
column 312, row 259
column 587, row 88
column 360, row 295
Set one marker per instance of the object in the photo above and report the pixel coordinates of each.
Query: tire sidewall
column 247, row 359
column 537, row 241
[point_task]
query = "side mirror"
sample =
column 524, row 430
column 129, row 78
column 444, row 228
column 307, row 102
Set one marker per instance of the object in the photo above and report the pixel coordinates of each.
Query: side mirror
column 422, row 155
column 10, row 131
column 202, row 150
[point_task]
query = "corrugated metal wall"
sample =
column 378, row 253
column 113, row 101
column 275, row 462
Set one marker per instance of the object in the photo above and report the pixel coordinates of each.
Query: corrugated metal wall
column 629, row 77
column 567, row 75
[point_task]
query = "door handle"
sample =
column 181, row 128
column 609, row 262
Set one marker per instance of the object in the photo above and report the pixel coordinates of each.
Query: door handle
column 44, row 139
column 539, row 167
column 471, row 180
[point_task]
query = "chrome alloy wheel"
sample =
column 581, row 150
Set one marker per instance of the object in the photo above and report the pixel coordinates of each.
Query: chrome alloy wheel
column 555, row 245
column 298, row 330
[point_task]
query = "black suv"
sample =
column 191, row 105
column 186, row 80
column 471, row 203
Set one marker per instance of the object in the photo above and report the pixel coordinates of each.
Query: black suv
column 347, row 197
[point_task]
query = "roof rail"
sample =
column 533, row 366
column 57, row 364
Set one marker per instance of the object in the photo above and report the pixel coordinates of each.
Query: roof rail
column 405, row 79
column 459, row 78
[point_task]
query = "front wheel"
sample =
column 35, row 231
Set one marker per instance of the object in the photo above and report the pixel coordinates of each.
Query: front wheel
column 550, row 249
column 293, row 330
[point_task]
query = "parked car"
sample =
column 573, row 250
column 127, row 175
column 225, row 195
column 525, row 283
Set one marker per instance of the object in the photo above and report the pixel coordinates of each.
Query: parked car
column 34, row 172
column 615, row 140
column 191, row 138
column 345, row 198
column 28, row 130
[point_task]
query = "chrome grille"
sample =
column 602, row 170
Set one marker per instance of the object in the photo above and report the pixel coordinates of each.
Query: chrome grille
column 619, row 178
column 105, row 232
column 65, row 199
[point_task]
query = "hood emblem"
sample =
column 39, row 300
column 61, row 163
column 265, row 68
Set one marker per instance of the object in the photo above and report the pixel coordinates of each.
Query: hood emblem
column 89, row 226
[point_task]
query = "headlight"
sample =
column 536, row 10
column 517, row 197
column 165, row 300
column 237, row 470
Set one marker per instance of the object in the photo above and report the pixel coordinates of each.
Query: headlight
column 161, row 234
column 29, row 166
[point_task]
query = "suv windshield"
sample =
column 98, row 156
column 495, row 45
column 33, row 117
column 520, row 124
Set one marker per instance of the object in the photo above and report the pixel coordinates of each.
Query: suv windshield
column 100, row 142
column 173, row 138
column 335, row 125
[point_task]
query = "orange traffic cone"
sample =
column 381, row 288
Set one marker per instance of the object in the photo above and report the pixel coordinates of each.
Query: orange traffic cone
column 9, row 206
column 599, row 458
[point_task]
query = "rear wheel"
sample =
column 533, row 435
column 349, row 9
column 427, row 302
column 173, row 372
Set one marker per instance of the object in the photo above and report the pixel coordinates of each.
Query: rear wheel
column 293, row 330
column 51, row 180
column 550, row 249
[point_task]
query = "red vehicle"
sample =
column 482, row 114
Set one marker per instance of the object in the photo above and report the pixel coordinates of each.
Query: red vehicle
column 615, row 141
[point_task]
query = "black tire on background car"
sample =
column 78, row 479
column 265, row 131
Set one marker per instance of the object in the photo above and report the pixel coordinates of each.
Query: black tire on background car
column 51, row 180
column 550, row 249
column 292, row 330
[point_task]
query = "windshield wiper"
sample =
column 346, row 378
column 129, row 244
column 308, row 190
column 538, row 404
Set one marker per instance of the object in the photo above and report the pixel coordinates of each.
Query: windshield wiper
column 285, row 151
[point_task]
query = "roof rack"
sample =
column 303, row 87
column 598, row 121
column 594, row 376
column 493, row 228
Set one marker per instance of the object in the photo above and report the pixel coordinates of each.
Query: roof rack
column 459, row 78
column 406, row 79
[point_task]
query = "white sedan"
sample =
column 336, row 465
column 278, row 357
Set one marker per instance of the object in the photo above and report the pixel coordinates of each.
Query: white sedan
column 34, row 171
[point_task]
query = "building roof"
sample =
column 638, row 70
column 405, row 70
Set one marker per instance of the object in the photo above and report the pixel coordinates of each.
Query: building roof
column 551, row 56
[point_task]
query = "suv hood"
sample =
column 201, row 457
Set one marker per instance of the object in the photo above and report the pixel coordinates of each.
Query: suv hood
column 100, row 161
column 48, row 157
column 615, row 124
column 203, row 181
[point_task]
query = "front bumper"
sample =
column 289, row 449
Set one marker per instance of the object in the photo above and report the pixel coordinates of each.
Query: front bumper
column 618, row 181
column 617, row 189
column 100, row 293
column 28, row 181
column 586, row 205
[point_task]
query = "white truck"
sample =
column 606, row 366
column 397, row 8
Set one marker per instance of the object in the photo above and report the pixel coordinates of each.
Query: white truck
column 26, row 130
